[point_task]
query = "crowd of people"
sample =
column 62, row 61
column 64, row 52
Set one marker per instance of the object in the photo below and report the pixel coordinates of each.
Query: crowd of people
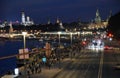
column 35, row 63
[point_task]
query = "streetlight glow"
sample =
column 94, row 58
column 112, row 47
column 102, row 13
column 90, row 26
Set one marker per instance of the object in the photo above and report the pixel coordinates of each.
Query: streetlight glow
column 71, row 37
column 59, row 37
column 24, row 34
column 24, row 42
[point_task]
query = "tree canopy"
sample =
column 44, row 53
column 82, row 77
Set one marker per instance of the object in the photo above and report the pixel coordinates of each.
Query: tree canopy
column 114, row 25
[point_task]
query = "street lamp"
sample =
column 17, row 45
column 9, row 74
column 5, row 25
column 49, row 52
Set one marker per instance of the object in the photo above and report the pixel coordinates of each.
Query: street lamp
column 71, row 43
column 78, row 34
column 59, row 49
column 71, row 37
column 59, row 37
column 24, row 42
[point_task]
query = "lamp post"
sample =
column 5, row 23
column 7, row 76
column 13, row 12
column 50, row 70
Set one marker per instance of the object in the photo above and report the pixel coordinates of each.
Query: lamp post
column 59, row 37
column 78, row 34
column 71, row 43
column 59, row 49
column 24, row 42
column 71, row 37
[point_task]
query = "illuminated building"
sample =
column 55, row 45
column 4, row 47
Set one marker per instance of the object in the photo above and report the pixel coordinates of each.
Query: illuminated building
column 57, row 21
column 98, row 23
column 23, row 18
column 11, row 28
column 49, row 21
column 60, row 23
column 97, row 18
column 26, row 22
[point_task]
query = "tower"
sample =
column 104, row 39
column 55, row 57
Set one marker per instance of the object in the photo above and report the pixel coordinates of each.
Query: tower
column 97, row 18
column 57, row 21
column 23, row 18
column 28, row 19
column 109, row 15
column 61, row 25
column 48, row 21
column 79, row 21
column 11, row 28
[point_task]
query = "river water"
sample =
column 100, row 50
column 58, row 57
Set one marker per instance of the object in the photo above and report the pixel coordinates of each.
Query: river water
column 10, row 48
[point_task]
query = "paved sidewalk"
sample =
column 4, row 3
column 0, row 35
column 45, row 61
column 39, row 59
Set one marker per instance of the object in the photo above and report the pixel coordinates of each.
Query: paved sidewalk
column 46, row 73
column 50, row 73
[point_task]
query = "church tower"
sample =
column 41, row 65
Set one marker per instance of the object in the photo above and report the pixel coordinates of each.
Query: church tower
column 11, row 28
column 109, row 15
column 23, row 18
column 48, row 21
column 97, row 18
column 61, row 25
column 57, row 21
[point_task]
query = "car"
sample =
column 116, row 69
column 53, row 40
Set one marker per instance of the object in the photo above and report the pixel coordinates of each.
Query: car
column 108, row 48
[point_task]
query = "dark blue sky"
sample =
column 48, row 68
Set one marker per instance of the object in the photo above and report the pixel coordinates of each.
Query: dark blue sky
column 66, row 10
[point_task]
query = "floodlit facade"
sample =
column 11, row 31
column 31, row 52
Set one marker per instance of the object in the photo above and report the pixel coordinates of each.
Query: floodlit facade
column 26, row 21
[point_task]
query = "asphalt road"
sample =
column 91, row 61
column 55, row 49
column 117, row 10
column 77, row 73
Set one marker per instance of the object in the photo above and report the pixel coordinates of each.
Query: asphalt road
column 84, row 65
column 92, row 64
column 111, row 59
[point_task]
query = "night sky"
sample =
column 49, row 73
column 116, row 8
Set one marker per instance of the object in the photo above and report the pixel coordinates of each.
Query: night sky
column 67, row 10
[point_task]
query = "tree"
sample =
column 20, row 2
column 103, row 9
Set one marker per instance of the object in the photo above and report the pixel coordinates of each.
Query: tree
column 114, row 25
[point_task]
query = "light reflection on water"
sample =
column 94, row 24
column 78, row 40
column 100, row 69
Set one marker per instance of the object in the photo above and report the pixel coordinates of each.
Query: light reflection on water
column 10, row 48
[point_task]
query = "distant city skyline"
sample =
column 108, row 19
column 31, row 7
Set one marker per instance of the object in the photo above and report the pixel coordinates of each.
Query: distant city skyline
column 66, row 10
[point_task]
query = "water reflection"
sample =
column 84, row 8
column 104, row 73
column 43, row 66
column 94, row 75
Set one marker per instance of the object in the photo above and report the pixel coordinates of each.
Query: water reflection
column 10, row 48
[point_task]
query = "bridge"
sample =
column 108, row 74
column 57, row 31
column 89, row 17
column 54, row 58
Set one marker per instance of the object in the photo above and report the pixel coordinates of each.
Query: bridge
column 12, row 35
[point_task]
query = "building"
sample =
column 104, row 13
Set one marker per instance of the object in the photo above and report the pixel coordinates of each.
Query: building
column 26, row 20
column 98, row 23
column 97, row 18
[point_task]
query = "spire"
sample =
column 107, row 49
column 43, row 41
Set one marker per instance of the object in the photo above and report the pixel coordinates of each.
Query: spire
column 57, row 21
column 97, row 18
column 61, row 25
column 49, row 21
column 109, row 15
column 97, row 13
column 79, row 21
column 11, row 28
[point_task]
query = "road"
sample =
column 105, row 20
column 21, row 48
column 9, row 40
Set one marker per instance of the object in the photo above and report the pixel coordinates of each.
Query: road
column 92, row 64
column 111, row 58
column 84, row 65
